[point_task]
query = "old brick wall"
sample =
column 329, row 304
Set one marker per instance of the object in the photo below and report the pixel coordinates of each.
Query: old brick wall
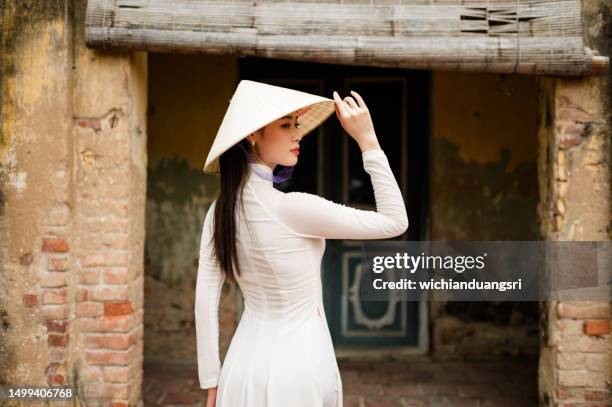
column 36, row 200
column 575, row 132
column 575, row 183
column 72, row 181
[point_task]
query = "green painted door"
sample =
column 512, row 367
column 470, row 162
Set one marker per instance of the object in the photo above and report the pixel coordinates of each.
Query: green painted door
column 330, row 165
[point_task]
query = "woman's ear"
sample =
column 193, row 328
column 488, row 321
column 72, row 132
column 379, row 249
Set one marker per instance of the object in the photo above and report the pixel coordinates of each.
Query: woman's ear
column 251, row 137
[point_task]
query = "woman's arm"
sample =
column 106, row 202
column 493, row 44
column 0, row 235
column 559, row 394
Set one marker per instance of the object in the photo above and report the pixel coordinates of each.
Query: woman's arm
column 310, row 215
column 208, row 293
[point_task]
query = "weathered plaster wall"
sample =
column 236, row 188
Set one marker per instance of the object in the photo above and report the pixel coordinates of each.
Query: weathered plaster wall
column 483, row 187
column 189, row 95
column 35, row 194
column 484, row 149
column 575, row 167
column 575, row 172
column 72, row 181
column 575, row 135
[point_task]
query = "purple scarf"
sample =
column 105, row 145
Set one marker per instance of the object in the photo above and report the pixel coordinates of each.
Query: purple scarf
column 282, row 176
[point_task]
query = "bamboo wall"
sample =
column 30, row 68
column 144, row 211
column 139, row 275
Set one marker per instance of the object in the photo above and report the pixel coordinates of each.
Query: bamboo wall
column 539, row 37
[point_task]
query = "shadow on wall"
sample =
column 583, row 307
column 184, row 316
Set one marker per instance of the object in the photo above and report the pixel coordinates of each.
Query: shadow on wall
column 483, row 201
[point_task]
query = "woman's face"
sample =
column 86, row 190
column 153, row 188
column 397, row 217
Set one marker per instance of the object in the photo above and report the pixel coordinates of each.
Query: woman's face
column 278, row 142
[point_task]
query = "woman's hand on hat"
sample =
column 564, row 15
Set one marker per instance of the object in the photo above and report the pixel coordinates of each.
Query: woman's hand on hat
column 355, row 119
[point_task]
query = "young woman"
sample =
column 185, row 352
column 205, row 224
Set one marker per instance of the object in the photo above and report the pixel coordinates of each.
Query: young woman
column 272, row 243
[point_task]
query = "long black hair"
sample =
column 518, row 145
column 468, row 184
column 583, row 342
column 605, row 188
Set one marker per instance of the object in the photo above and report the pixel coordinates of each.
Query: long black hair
column 234, row 169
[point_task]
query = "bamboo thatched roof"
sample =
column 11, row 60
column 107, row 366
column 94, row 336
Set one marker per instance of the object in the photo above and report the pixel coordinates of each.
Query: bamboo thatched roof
column 540, row 37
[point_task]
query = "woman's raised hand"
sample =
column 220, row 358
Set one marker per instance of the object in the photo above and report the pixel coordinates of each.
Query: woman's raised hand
column 355, row 118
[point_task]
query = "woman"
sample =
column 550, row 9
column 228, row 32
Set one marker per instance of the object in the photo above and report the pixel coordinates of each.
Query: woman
column 272, row 243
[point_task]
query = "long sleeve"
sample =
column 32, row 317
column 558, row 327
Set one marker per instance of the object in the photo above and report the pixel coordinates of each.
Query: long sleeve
column 314, row 216
column 208, row 293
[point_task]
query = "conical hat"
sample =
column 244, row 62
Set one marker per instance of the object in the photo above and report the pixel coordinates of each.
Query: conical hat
column 256, row 104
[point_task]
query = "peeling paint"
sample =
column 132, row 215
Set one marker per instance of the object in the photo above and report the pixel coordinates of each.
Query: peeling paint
column 88, row 158
column 19, row 181
column 105, row 122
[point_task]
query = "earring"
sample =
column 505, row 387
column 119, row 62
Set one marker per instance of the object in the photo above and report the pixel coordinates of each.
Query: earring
column 252, row 142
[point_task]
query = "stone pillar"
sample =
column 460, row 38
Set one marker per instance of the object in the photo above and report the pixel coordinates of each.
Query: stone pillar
column 574, row 166
column 574, row 174
column 109, row 144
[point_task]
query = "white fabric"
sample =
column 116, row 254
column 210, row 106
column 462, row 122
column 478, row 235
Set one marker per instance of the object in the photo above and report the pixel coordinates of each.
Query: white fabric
column 282, row 353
